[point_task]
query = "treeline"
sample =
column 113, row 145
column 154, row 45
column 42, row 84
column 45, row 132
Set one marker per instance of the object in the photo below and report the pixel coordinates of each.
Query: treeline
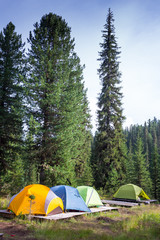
column 139, row 162
column 143, row 165
column 45, row 129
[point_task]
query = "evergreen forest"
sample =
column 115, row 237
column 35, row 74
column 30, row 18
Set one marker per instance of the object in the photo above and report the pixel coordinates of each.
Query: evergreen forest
column 45, row 121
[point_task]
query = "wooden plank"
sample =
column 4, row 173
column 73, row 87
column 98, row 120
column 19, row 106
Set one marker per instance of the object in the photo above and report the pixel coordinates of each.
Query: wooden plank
column 103, row 209
column 73, row 214
column 59, row 216
column 120, row 203
column 148, row 201
column 6, row 214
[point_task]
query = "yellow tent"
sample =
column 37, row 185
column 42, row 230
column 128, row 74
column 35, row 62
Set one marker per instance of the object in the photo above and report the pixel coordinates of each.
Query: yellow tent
column 36, row 199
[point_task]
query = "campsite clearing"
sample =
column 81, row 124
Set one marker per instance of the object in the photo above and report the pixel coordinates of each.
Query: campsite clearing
column 141, row 222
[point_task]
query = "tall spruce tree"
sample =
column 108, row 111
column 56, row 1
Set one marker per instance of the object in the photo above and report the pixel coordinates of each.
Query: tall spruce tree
column 109, row 156
column 57, row 101
column 11, row 103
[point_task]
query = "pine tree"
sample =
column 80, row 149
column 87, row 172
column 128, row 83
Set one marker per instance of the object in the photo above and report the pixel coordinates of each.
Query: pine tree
column 11, row 99
column 146, row 143
column 96, row 164
column 131, row 174
column 31, row 152
column 155, row 168
column 56, row 97
column 109, row 142
column 150, row 141
column 142, row 173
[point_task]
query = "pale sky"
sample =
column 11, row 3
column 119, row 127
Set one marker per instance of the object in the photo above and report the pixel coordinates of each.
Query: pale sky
column 137, row 28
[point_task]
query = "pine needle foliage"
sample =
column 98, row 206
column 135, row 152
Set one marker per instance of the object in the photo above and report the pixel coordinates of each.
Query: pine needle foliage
column 11, row 102
column 58, row 102
column 144, row 156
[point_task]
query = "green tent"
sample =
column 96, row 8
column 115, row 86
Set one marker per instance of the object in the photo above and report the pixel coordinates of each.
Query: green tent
column 131, row 192
column 90, row 196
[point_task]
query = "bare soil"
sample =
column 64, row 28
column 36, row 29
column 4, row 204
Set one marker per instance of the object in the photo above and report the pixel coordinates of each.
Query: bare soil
column 14, row 231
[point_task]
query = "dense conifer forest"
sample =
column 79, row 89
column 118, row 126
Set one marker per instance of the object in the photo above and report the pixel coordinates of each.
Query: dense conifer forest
column 45, row 121
column 143, row 165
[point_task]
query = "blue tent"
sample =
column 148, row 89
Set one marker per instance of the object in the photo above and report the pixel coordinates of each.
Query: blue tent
column 71, row 198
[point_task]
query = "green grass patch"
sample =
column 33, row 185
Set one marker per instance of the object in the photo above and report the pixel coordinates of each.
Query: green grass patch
column 62, row 234
column 142, row 222
column 68, row 230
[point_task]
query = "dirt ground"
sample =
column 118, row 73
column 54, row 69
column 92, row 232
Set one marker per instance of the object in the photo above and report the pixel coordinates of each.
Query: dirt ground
column 14, row 231
column 101, row 224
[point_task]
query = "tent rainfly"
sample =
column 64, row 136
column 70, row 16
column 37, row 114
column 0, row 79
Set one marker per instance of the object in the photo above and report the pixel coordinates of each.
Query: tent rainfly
column 71, row 198
column 130, row 192
column 36, row 199
column 90, row 196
